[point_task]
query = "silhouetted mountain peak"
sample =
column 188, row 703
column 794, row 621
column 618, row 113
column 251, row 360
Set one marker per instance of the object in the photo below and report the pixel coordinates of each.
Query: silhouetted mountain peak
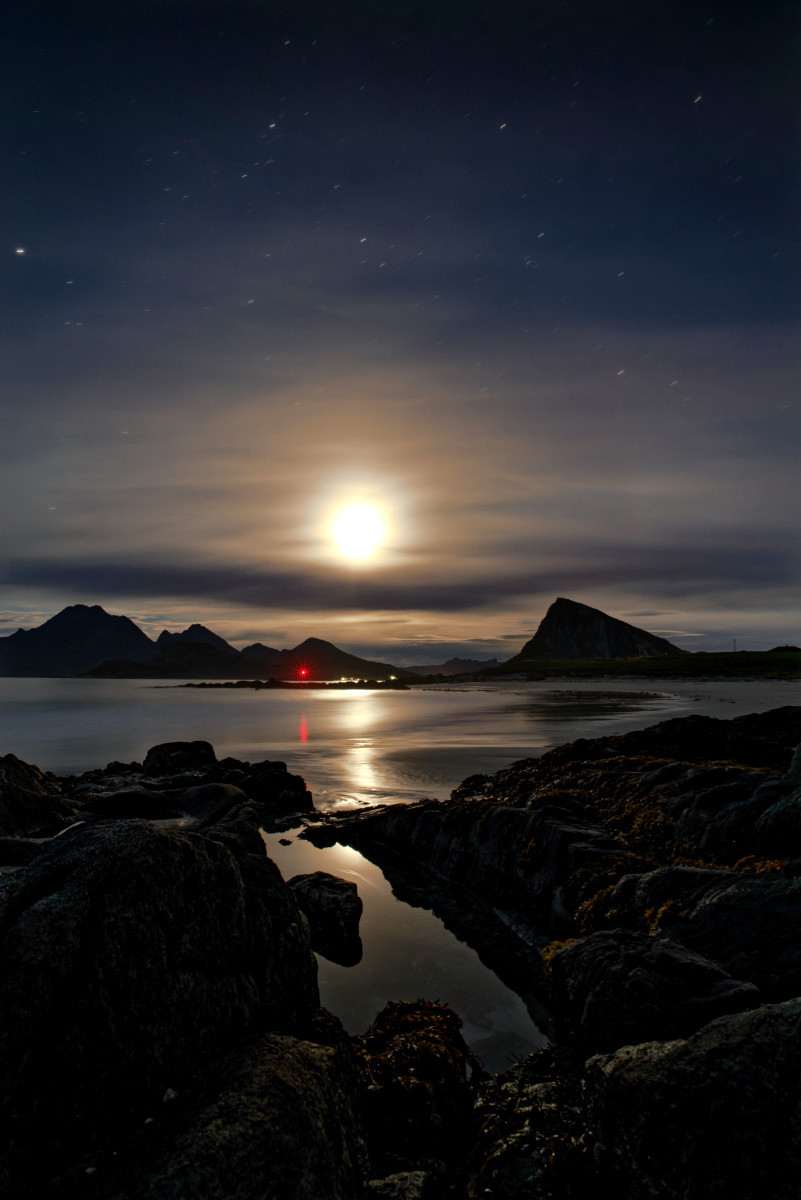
column 84, row 639
column 196, row 633
column 573, row 630
column 73, row 641
column 75, row 613
column 258, row 652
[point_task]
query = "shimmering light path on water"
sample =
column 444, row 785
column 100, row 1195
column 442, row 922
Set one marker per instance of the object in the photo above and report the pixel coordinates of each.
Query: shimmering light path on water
column 352, row 747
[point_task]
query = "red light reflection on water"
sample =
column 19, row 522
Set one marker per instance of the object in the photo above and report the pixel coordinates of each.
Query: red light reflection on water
column 304, row 731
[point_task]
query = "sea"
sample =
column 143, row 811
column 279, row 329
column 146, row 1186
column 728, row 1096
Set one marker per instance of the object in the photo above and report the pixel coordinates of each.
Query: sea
column 352, row 747
column 360, row 748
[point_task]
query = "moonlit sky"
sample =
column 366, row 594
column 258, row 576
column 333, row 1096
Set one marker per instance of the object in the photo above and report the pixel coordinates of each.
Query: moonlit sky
column 522, row 275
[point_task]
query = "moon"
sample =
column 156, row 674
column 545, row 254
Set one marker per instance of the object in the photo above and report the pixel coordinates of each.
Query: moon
column 358, row 530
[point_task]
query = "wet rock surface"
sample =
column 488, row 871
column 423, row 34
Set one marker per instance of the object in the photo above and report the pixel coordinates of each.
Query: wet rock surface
column 177, row 781
column 333, row 909
column 32, row 802
column 658, row 874
column 159, row 1016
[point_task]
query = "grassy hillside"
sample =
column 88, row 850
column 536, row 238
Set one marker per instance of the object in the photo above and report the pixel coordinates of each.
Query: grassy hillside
column 749, row 664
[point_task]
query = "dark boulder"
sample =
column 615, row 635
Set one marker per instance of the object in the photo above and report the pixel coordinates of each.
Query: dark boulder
column 283, row 1122
column 778, row 828
column 129, row 953
column 131, row 802
column 333, row 908
column 210, row 801
column 419, row 1102
column 619, row 987
column 528, row 1143
column 169, row 758
column 713, row 1117
column 276, row 789
column 746, row 923
column 31, row 800
column 15, row 852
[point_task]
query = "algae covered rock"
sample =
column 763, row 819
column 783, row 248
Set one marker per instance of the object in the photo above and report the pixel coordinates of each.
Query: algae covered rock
column 419, row 1102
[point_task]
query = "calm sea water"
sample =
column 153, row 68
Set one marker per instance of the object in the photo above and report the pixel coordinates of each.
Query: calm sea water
column 366, row 748
column 351, row 747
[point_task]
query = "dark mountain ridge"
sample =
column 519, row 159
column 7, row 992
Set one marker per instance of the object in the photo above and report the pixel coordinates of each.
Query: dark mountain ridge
column 86, row 640
column 75, row 639
column 196, row 633
column 323, row 660
column 179, row 660
column 258, row 652
column 455, row 666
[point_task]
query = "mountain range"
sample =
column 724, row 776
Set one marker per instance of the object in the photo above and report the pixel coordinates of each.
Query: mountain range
column 455, row 666
column 86, row 640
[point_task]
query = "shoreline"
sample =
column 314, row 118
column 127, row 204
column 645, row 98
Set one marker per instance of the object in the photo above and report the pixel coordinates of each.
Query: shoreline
column 648, row 882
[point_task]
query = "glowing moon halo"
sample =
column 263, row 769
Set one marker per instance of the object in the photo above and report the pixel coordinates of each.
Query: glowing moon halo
column 358, row 530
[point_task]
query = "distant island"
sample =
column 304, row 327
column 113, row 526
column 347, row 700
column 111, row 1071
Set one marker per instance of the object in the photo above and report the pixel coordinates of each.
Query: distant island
column 572, row 640
column 304, row 684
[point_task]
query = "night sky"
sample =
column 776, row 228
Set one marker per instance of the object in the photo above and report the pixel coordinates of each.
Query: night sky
column 523, row 276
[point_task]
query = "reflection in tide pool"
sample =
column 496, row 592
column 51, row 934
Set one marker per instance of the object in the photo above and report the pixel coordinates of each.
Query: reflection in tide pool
column 409, row 955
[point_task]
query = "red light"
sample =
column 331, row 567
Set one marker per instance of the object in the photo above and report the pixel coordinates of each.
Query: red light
column 303, row 670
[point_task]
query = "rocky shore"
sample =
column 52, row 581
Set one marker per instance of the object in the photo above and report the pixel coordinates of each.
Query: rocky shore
column 159, row 1016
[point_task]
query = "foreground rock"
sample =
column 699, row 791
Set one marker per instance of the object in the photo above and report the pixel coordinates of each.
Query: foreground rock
column 618, row 987
column 178, row 780
column 657, row 872
column 333, row 908
column 183, row 779
column 32, row 802
column 283, row 1119
column 158, row 1011
column 716, row 1115
column 129, row 954
column 419, row 1101
column 608, row 834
